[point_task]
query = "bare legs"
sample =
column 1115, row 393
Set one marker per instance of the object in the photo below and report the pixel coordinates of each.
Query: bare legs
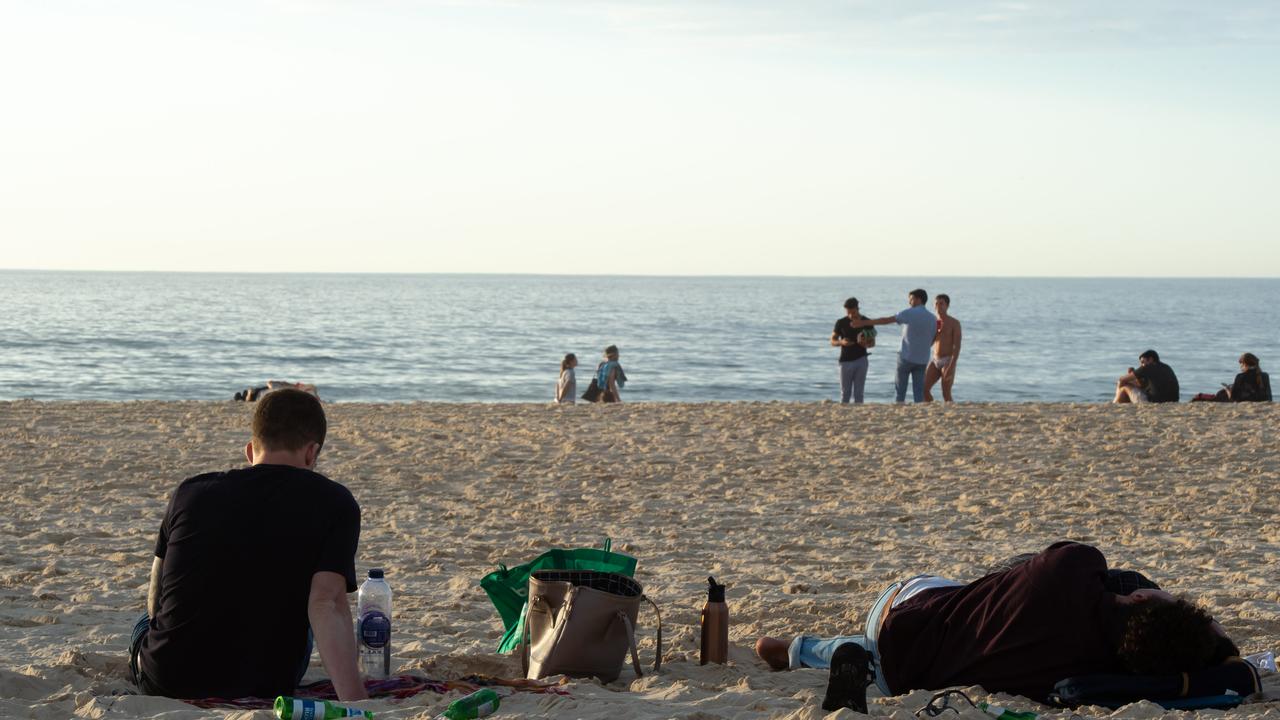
column 931, row 376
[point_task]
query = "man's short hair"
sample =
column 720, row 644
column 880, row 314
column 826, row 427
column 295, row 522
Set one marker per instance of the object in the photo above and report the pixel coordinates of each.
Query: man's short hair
column 920, row 295
column 851, row 303
column 944, row 298
column 1150, row 355
column 1164, row 638
column 288, row 419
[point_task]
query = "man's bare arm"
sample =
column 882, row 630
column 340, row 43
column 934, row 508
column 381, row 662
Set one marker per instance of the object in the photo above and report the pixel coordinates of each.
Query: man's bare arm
column 330, row 617
column 153, row 589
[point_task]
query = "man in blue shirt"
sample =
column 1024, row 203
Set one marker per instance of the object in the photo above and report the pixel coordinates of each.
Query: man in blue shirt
column 919, row 327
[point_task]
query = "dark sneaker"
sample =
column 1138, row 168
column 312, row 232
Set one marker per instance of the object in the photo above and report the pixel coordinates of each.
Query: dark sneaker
column 850, row 676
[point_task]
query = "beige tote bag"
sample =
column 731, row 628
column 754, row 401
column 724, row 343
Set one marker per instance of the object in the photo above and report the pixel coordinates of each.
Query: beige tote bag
column 581, row 623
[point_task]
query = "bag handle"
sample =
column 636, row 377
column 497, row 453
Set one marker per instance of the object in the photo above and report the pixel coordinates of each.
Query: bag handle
column 631, row 638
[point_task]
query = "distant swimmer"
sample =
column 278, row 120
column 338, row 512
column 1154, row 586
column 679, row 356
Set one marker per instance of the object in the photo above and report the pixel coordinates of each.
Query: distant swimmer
column 946, row 351
column 1152, row 381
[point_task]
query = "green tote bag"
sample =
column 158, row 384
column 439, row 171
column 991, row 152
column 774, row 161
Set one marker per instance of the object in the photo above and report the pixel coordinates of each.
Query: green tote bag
column 508, row 589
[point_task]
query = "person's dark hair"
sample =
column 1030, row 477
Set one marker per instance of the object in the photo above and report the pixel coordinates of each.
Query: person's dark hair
column 1162, row 638
column 1250, row 361
column 920, row 295
column 851, row 304
column 944, row 298
column 564, row 364
column 1150, row 355
column 611, row 350
column 288, row 419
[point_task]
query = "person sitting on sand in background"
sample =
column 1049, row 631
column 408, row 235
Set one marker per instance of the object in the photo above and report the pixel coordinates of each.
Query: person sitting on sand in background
column 946, row 351
column 853, row 343
column 1152, row 381
column 610, row 376
column 249, row 563
column 1251, row 384
column 567, row 385
column 919, row 327
column 253, row 394
column 1019, row 630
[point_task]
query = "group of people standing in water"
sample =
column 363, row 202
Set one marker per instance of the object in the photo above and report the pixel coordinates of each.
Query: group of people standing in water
column 929, row 352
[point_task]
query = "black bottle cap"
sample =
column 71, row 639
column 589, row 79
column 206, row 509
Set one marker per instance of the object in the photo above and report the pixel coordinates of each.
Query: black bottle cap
column 715, row 591
column 376, row 573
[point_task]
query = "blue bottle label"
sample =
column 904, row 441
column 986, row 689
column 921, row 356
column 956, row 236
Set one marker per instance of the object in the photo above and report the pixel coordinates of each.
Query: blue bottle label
column 375, row 629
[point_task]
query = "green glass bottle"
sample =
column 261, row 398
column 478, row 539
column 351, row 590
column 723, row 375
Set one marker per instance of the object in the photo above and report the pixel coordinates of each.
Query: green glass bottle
column 291, row 708
column 476, row 705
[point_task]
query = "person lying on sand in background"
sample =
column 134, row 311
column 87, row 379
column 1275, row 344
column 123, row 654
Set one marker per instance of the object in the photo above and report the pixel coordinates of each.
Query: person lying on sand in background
column 1152, row 381
column 253, row 394
column 248, row 564
column 946, row 351
column 1020, row 631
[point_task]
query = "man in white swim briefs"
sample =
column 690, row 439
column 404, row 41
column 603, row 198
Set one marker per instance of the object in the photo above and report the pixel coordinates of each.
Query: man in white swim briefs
column 946, row 350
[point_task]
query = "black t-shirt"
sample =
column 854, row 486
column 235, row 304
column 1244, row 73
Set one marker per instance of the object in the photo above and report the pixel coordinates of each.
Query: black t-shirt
column 239, row 549
column 1017, row 631
column 845, row 331
column 1159, row 382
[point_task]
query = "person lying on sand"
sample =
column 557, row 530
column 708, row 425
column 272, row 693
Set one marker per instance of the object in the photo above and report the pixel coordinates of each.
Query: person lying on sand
column 249, row 564
column 1019, row 630
column 256, row 393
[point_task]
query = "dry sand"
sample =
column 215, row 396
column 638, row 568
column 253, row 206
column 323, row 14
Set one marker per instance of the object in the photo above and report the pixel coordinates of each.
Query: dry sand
column 805, row 510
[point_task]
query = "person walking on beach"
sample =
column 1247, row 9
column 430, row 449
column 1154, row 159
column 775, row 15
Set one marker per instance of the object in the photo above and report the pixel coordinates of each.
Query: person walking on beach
column 610, row 376
column 946, row 351
column 1020, row 630
column 249, row 566
column 567, row 386
column 919, row 328
column 853, row 343
column 1152, row 381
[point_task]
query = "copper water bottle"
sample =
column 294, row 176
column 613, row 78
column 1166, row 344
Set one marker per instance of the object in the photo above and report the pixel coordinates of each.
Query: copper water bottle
column 715, row 625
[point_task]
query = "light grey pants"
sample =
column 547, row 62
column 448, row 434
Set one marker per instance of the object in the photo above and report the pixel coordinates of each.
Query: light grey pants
column 853, row 378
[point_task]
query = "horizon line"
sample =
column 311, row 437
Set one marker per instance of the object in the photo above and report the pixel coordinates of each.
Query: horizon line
column 635, row 275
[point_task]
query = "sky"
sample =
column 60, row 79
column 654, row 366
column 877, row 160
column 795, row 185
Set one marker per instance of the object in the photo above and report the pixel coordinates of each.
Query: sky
column 824, row 138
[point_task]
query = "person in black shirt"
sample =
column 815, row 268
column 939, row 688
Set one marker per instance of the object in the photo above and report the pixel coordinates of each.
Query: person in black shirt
column 249, row 564
column 853, row 343
column 1151, row 381
column 1251, row 384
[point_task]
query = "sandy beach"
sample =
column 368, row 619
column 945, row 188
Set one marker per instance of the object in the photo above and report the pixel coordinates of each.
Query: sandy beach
column 805, row 510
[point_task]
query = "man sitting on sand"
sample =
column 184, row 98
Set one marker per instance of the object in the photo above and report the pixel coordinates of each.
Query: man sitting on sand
column 1019, row 630
column 248, row 564
column 1152, row 381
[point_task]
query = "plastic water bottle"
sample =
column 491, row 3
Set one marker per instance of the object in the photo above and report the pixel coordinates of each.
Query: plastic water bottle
column 476, row 705
column 290, row 708
column 373, row 626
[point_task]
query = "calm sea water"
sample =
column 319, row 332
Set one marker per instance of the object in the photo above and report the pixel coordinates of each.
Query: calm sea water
column 127, row 336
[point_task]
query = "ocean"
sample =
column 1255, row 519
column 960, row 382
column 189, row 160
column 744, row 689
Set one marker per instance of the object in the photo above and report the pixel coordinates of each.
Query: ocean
column 500, row 338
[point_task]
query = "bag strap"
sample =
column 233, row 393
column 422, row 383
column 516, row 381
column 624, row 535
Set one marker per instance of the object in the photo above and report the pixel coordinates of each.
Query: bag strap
column 631, row 642
column 657, row 662
column 631, row 638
